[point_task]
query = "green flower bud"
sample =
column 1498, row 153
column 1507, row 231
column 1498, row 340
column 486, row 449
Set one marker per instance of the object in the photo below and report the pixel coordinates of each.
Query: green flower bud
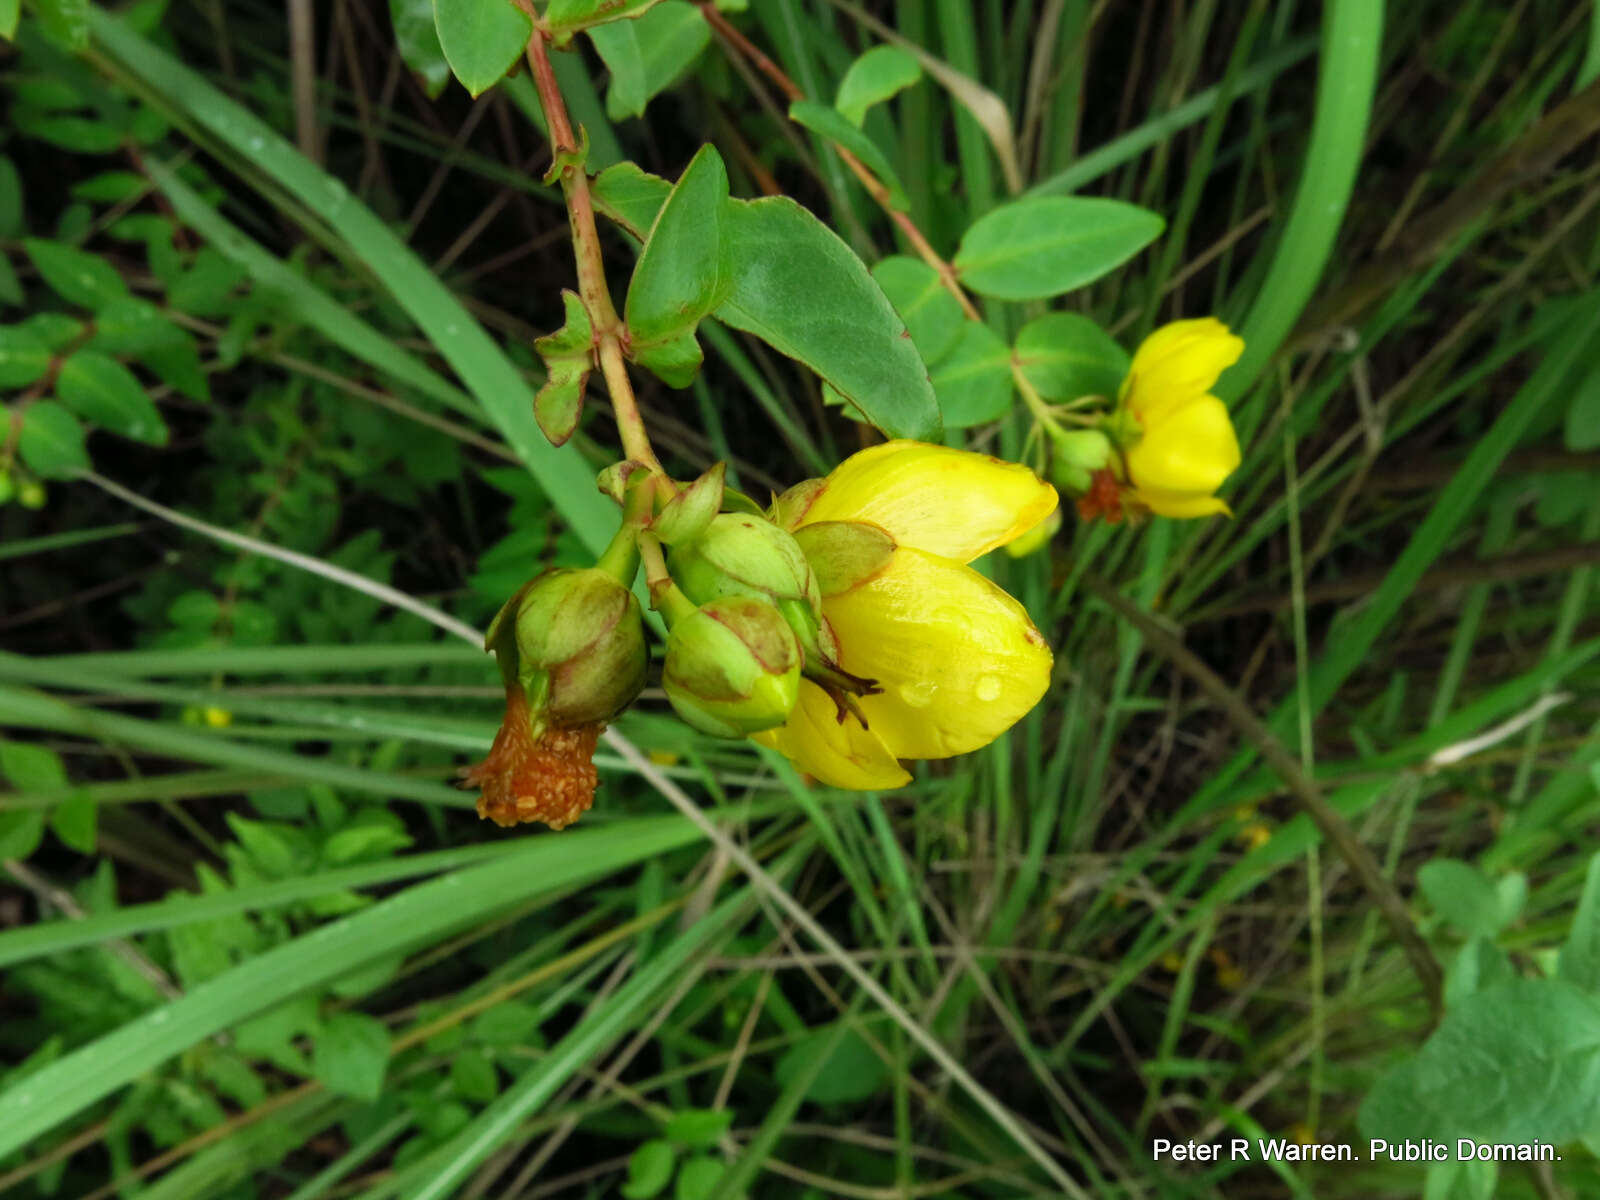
column 741, row 555
column 574, row 640
column 733, row 667
column 1076, row 455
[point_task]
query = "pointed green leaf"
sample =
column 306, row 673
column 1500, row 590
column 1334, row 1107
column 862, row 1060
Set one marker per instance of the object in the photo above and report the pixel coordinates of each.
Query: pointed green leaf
column 1064, row 356
column 132, row 326
column 1580, row 957
column 51, row 442
column 24, row 357
column 973, row 382
column 829, row 123
column 66, row 21
column 930, row 312
column 417, row 37
column 567, row 355
column 481, row 39
column 873, row 78
column 650, row 1169
column 800, row 289
column 20, row 833
column 647, row 55
column 684, row 270
column 1034, row 249
column 351, row 1055
column 100, row 389
column 631, row 197
column 74, row 821
column 77, row 276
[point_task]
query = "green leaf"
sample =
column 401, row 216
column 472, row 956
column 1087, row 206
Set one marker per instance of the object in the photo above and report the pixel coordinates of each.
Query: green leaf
column 800, row 289
column 675, row 362
column 851, row 1073
column 630, row 196
column 1583, row 412
column 31, row 768
column 876, row 76
column 930, row 312
column 77, row 276
column 1580, row 956
column 66, row 21
column 10, row 12
column 1034, row 249
column 363, row 841
column 563, row 18
column 1463, row 1179
column 51, row 442
column 82, row 135
column 511, row 1023
column 24, row 357
column 418, row 39
column 472, row 1074
column 973, row 382
column 697, row 1178
column 699, row 1128
column 111, row 187
column 351, row 1055
column 74, row 821
column 1517, row 1062
column 100, row 389
column 481, row 39
column 21, row 831
column 829, row 123
column 1463, row 895
column 55, row 330
column 133, row 326
column 646, row 55
column 1065, row 356
column 10, row 285
column 11, row 199
column 1479, row 965
column 568, row 357
column 649, row 1170
column 684, row 269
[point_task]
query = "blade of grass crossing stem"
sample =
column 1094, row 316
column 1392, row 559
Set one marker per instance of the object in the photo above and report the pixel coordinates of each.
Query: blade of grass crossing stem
column 482, row 365
column 285, row 660
column 437, row 1176
column 1352, row 35
column 404, row 922
column 34, row 710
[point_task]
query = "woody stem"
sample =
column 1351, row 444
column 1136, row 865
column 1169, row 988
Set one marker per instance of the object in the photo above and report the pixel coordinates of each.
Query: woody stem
column 610, row 335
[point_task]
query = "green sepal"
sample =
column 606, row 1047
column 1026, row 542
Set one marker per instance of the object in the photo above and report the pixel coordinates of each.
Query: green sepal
column 687, row 515
column 844, row 554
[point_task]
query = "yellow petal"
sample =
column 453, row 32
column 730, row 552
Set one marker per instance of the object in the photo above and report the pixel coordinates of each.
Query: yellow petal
column 949, row 502
column 840, row 755
column 1189, row 452
column 958, row 659
column 1176, row 363
column 1180, row 504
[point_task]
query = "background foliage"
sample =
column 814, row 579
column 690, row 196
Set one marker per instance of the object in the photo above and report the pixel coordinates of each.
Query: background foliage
column 283, row 280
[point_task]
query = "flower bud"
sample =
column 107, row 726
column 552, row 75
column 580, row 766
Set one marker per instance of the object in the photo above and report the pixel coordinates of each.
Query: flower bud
column 576, row 644
column 1076, row 455
column 742, row 555
column 733, row 667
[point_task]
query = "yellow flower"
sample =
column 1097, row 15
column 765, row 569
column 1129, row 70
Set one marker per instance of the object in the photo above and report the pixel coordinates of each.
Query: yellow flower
column 957, row 660
column 1186, row 445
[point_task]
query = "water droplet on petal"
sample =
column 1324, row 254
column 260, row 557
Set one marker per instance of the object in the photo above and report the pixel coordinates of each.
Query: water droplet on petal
column 917, row 695
column 988, row 688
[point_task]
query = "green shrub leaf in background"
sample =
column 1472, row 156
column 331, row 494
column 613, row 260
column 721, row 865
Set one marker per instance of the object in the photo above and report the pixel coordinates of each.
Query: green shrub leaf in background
column 1580, row 956
column 801, row 290
column 76, row 276
column 876, row 76
column 1518, row 1062
column 100, row 389
column 699, row 1128
column 52, row 441
column 1038, row 248
column 973, row 381
column 931, row 313
column 685, row 269
column 67, row 21
column 351, row 1055
column 1583, row 410
column 1065, row 356
column 631, row 197
column 481, row 39
column 852, row 1072
column 1468, row 899
column 831, row 124
column 650, row 1169
column 24, row 357
column 417, row 37
column 647, row 54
